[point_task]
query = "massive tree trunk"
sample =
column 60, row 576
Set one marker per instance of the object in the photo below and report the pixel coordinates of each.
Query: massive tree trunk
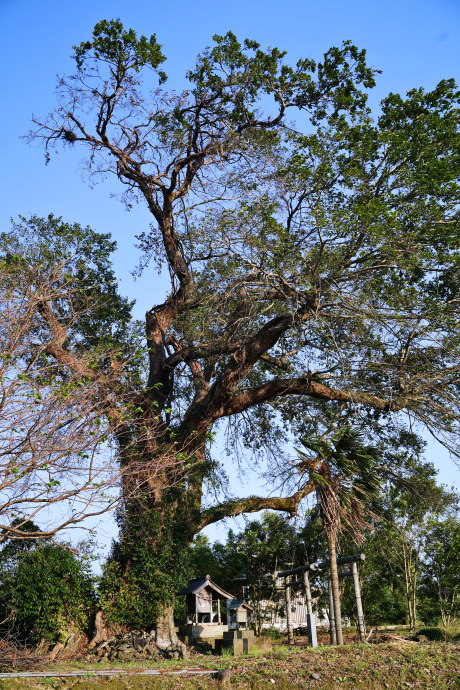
column 165, row 630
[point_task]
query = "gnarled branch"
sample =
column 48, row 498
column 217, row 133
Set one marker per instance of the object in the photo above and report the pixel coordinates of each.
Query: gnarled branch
column 253, row 504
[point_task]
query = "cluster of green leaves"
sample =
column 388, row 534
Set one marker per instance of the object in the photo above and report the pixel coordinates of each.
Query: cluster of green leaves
column 120, row 48
column 146, row 565
column 46, row 591
column 244, row 72
column 440, row 577
column 70, row 269
column 87, row 286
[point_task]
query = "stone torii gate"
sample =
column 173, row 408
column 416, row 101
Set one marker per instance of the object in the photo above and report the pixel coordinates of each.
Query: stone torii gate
column 305, row 581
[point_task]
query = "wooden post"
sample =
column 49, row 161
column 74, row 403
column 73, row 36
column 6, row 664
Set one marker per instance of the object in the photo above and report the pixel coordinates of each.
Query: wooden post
column 332, row 632
column 306, row 581
column 359, row 604
column 287, row 591
column 219, row 619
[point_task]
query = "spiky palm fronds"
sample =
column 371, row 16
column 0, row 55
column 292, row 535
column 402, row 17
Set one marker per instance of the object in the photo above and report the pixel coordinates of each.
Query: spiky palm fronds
column 345, row 472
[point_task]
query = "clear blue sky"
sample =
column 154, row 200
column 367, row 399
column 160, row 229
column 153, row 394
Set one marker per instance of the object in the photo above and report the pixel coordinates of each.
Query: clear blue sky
column 414, row 43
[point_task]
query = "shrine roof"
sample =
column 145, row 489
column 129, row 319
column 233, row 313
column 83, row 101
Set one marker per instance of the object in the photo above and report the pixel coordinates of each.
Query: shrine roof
column 199, row 583
column 236, row 604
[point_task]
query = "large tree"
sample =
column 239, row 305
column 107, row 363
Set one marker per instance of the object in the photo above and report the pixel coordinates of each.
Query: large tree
column 312, row 250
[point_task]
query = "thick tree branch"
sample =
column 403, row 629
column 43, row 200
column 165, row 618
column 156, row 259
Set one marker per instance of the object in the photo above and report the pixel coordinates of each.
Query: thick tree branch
column 253, row 504
column 56, row 349
column 300, row 386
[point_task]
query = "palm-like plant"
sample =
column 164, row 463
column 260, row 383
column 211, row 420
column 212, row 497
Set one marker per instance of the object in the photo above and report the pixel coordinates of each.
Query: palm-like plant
column 345, row 471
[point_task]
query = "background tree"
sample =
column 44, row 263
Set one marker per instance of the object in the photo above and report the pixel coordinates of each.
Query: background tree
column 314, row 260
column 59, row 460
column 407, row 511
column 408, row 502
column 223, row 562
column 440, row 578
column 56, row 465
column 265, row 547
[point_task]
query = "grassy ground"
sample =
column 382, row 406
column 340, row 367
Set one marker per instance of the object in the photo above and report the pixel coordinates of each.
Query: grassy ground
column 386, row 663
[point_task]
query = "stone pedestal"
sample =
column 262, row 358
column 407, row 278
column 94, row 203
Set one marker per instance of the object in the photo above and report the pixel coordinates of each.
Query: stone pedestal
column 201, row 634
column 240, row 641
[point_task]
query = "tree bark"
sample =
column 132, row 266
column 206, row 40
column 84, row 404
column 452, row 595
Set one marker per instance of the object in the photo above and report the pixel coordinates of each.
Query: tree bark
column 409, row 586
column 335, row 584
column 165, row 630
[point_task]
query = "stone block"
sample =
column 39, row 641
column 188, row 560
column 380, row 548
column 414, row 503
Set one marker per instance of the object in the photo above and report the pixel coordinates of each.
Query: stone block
column 240, row 645
column 245, row 634
column 262, row 643
column 238, row 634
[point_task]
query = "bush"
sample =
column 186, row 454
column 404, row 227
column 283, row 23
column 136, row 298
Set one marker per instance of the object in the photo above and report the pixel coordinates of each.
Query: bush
column 433, row 634
column 47, row 591
column 272, row 632
column 452, row 630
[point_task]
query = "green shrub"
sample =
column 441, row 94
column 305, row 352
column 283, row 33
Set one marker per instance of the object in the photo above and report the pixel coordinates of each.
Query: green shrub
column 272, row 632
column 452, row 630
column 433, row 634
column 46, row 591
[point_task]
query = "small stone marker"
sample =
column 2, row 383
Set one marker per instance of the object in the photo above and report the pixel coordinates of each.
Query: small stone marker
column 311, row 630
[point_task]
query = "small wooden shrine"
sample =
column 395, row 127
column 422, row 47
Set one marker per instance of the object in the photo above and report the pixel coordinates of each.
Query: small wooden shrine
column 214, row 618
column 238, row 615
column 206, row 602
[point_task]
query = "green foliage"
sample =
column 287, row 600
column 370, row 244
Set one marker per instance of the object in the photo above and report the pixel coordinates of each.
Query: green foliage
column 145, row 568
column 382, row 582
column 251, row 72
column 404, row 565
column 345, row 472
column 120, row 48
column 205, row 558
column 433, row 634
column 440, row 581
column 45, row 591
column 87, row 285
column 13, row 548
